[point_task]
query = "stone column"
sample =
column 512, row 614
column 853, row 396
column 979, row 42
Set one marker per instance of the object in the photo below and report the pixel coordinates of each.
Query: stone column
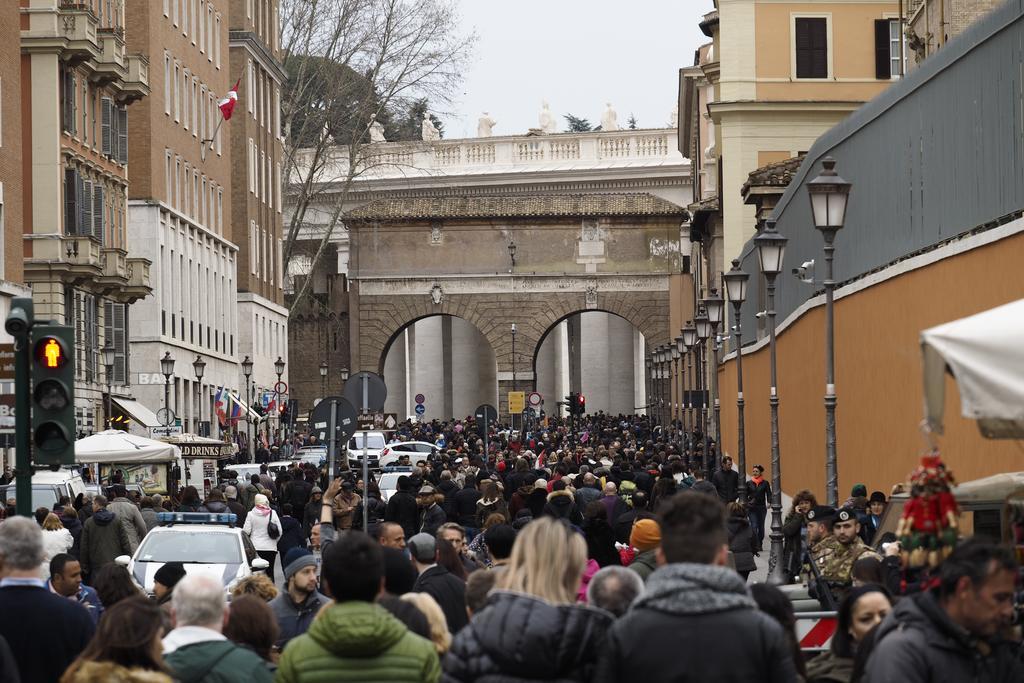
column 562, row 368
column 594, row 360
column 469, row 361
column 428, row 375
column 572, row 328
column 545, row 367
column 620, row 365
column 639, row 370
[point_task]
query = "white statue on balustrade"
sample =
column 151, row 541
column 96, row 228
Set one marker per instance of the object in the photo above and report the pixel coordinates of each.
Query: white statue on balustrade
column 609, row 119
column 484, row 125
column 376, row 132
column 546, row 119
column 430, row 132
column 673, row 119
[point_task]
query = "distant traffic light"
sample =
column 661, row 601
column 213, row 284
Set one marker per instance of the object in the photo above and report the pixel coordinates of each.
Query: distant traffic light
column 581, row 404
column 53, row 394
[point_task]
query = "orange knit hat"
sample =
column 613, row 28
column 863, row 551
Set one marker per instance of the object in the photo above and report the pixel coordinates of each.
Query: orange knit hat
column 646, row 535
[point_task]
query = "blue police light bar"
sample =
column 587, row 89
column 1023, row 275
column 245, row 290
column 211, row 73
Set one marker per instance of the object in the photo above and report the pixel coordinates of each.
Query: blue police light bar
column 167, row 518
column 396, row 468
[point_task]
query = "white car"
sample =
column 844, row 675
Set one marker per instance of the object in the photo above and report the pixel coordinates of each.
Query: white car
column 416, row 450
column 205, row 542
column 387, row 482
column 375, row 443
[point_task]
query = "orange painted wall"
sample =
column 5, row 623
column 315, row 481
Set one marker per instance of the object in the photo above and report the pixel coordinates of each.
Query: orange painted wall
column 878, row 379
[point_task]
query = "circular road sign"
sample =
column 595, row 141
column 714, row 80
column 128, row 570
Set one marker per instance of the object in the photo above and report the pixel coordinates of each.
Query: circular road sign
column 420, row 409
column 369, row 386
column 165, row 416
column 280, row 388
column 534, row 399
column 486, row 415
column 420, row 398
column 344, row 419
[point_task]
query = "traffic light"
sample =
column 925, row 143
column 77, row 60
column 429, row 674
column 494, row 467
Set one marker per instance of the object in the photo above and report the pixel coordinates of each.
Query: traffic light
column 570, row 402
column 282, row 413
column 581, row 404
column 53, row 394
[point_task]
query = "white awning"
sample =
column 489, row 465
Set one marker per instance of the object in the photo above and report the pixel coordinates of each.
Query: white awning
column 138, row 412
column 985, row 354
column 115, row 446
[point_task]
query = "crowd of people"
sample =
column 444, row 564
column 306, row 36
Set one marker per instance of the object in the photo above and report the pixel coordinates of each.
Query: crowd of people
column 605, row 553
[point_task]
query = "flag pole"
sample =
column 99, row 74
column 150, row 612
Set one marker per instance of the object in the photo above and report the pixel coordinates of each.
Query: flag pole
column 202, row 143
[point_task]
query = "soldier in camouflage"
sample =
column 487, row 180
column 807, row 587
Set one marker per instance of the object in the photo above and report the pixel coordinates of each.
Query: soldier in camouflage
column 835, row 558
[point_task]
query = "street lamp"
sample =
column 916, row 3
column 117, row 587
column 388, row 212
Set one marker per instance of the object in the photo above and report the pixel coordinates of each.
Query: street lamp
column 109, row 355
column 736, row 289
column 167, row 370
column 199, row 366
column 652, row 374
column 279, row 370
column 247, row 371
column 681, row 350
column 689, row 335
column 323, row 379
column 703, row 327
column 673, row 373
column 771, row 247
column 829, row 194
column 715, row 307
column 344, row 375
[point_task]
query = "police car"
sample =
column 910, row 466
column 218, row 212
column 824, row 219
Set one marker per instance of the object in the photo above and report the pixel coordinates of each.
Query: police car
column 205, row 542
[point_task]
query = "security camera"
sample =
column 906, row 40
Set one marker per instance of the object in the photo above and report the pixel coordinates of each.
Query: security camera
column 17, row 322
column 761, row 314
column 801, row 272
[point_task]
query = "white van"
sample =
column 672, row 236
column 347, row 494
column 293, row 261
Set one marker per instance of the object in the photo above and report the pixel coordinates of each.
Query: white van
column 48, row 487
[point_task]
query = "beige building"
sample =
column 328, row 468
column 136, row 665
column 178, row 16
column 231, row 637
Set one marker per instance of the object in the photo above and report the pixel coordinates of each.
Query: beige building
column 932, row 23
column 180, row 210
column 11, row 170
column 78, row 79
column 258, row 144
column 774, row 77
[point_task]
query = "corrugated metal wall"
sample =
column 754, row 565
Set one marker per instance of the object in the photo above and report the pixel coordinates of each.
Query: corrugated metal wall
column 934, row 156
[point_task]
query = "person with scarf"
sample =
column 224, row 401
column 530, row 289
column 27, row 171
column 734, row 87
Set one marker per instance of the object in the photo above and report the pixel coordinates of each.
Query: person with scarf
column 759, row 493
column 693, row 591
column 257, row 526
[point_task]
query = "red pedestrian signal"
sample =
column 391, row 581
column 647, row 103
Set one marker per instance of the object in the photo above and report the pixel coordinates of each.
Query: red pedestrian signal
column 581, row 404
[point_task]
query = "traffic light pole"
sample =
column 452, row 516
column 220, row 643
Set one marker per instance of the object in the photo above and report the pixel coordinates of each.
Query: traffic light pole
column 22, row 417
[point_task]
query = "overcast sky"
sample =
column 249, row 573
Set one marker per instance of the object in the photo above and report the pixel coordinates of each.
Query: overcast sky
column 576, row 54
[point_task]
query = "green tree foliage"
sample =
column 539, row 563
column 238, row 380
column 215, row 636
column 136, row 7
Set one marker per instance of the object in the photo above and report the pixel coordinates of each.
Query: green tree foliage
column 577, row 124
column 632, row 122
column 409, row 126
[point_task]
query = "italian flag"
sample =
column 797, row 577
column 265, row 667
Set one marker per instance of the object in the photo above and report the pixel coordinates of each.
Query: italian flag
column 227, row 103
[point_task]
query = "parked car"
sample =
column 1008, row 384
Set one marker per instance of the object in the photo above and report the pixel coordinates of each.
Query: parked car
column 48, row 487
column 375, row 443
column 416, row 450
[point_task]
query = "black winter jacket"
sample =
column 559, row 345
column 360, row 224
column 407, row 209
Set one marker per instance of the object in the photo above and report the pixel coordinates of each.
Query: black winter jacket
column 464, row 506
column 696, row 622
column 403, row 511
column 450, row 593
column 727, row 483
column 741, row 543
column 918, row 642
column 519, row 638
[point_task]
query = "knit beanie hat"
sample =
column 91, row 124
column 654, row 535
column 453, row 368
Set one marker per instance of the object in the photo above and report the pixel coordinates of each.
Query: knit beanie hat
column 646, row 535
column 295, row 559
column 170, row 574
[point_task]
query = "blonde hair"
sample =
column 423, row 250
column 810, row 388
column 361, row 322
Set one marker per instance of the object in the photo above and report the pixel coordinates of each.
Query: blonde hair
column 439, row 634
column 52, row 523
column 548, row 559
column 259, row 585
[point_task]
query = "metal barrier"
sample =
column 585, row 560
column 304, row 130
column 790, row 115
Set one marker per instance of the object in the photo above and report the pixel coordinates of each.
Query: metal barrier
column 814, row 630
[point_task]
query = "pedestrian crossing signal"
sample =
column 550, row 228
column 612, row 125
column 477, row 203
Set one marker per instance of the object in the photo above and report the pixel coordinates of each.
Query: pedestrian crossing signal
column 53, row 395
column 50, row 353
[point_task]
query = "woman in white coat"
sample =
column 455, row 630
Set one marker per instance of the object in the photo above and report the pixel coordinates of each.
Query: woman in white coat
column 56, row 540
column 258, row 526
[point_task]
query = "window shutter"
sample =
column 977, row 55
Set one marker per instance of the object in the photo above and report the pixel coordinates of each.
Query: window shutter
column 883, row 70
column 108, row 106
column 108, row 326
column 70, row 203
column 97, row 212
column 120, row 356
column 122, row 135
column 79, row 200
column 811, row 47
column 85, row 222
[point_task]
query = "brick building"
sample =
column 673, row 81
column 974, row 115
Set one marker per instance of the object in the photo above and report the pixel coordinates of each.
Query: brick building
column 180, row 209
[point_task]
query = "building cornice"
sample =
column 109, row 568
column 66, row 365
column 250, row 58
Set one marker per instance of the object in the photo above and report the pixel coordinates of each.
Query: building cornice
column 252, row 43
column 156, row 203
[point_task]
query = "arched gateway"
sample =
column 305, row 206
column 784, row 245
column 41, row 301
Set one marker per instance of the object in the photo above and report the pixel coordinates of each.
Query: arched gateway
column 528, row 260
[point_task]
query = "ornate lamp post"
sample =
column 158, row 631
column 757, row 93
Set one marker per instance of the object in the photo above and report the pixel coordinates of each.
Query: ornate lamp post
column 689, row 335
column 829, row 194
column 109, row 355
column 278, row 370
column 679, row 381
column 736, row 289
column 323, row 379
column 199, row 367
column 167, row 370
column 649, row 376
column 247, row 372
column 703, row 327
column 771, row 247
column 673, row 397
column 715, row 307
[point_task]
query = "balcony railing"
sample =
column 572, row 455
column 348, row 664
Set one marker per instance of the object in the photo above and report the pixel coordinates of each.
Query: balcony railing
column 472, row 156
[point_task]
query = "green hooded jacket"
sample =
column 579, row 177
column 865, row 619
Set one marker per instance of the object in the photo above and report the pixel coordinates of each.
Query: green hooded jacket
column 217, row 661
column 358, row 641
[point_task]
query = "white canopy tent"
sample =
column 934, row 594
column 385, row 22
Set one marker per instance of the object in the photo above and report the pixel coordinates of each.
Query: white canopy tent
column 115, row 446
column 985, row 354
